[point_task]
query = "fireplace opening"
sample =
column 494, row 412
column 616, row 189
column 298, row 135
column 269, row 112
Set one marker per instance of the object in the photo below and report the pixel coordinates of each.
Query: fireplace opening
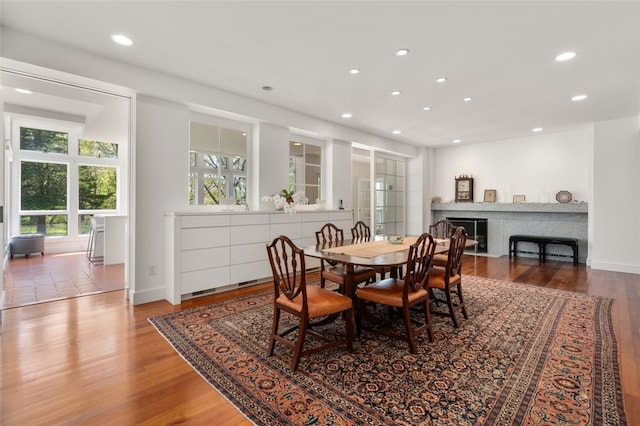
column 476, row 230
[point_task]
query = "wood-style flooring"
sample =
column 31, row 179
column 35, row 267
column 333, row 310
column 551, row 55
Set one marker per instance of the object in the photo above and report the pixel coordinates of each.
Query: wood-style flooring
column 96, row 360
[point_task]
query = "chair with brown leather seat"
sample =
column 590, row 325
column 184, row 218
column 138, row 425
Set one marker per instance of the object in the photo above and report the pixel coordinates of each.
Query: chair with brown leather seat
column 448, row 279
column 442, row 229
column 361, row 232
column 403, row 294
column 330, row 235
column 292, row 295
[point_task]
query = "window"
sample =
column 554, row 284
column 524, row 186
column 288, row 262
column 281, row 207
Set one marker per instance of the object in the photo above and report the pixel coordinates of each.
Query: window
column 305, row 169
column 218, row 165
column 64, row 179
column 389, row 188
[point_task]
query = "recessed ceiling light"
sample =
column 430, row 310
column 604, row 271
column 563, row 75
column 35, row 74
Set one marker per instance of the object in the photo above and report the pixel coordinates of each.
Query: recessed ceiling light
column 579, row 98
column 396, row 92
column 441, row 79
column 402, row 52
column 297, row 144
column 397, row 132
column 427, row 108
column 347, row 115
column 23, row 91
column 467, row 99
column 457, row 141
column 267, row 88
column 354, row 71
column 122, row 39
column 565, row 56
column 536, row 129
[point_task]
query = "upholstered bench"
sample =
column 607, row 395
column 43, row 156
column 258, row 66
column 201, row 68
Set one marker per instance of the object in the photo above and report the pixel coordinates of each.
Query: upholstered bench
column 26, row 244
column 542, row 245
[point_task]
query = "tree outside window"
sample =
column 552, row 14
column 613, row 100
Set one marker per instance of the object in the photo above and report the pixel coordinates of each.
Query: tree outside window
column 55, row 164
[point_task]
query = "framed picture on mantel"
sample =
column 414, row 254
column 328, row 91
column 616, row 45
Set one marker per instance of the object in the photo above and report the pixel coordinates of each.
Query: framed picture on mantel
column 464, row 189
column 490, row 195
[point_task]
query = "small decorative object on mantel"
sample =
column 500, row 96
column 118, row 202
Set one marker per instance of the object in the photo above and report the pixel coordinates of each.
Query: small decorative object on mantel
column 464, row 188
column 490, row 195
column 563, row 196
column 518, row 199
column 437, row 199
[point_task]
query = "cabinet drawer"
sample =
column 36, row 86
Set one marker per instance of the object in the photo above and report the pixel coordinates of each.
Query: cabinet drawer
column 248, row 253
column 204, row 221
column 290, row 230
column 193, row 260
column 250, row 271
column 249, row 234
column 204, row 280
column 197, row 238
column 250, row 219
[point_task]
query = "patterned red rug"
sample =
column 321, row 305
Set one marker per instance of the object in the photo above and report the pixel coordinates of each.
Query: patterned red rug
column 526, row 355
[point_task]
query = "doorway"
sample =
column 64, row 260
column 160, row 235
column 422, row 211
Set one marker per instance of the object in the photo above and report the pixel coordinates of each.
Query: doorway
column 81, row 136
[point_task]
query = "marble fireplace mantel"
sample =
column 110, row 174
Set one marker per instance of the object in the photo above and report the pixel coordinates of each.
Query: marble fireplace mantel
column 506, row 219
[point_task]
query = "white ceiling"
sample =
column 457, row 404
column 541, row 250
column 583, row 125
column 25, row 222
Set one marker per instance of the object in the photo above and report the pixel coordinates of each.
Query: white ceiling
column 500, row 53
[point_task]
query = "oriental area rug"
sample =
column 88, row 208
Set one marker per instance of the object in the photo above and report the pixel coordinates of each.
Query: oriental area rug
column 526, row 355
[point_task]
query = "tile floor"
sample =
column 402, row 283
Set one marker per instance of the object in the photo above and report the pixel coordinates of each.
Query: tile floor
column 37, row 279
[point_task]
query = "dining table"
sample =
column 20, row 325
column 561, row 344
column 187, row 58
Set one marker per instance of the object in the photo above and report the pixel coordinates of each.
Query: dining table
column 378, row 252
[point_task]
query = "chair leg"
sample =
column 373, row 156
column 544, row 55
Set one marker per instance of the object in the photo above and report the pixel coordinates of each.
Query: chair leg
column 411, row 335
column 274, row 330
column 359, row 311
column 299, row 344
column 427, row 319
column 350, row 332
column 464, row 307
column 451, row 307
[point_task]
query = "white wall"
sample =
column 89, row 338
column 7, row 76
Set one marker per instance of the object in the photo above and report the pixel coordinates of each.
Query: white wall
column 418, row 203
column 615, row 208
column 162, row 169
column 339, row 174
column 537, row 167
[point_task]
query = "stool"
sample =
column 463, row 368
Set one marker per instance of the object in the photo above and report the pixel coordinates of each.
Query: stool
column 26, row 244
column 96, row 237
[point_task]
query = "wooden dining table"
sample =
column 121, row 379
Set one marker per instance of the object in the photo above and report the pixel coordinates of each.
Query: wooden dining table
column 375, row 253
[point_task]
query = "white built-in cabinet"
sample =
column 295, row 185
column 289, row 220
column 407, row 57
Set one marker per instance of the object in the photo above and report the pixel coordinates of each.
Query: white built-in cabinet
column 213, row 251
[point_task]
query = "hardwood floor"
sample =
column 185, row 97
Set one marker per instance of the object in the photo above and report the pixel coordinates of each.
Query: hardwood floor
column 97, row 360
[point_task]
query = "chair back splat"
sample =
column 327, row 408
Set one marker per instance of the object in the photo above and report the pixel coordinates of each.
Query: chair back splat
column 442, row 229
column 401, row 294
column 327, row 236
column 287, row 266
column 293, row 296
column 329, row 233
column 448, row 278
column 361, row 231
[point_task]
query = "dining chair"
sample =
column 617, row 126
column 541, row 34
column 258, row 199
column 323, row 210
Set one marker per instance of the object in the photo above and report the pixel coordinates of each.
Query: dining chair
column 448, row 279
column 402, row 294
column 335, row 272
column 292, row 295
column 442, row 229
column 362, row 232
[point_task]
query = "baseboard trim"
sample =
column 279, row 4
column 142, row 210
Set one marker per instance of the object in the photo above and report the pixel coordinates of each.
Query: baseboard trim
column 616, row 267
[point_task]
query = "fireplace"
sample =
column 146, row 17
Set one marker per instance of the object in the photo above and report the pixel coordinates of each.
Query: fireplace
column 476, row 230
